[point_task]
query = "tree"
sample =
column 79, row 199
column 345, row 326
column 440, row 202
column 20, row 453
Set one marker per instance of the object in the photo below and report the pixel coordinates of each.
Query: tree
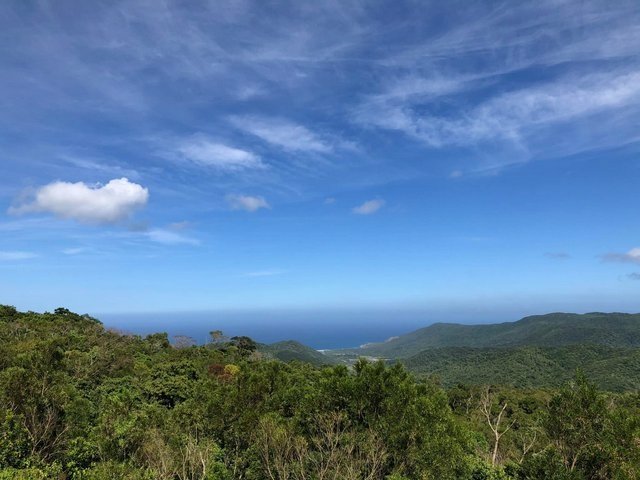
column 80, row 402
column 575, row 423
column 14, row 440
column 184, row 341
column 245, row 345
column 495, row 417
column 216, row 336
column 8, row 312
column 158, row 341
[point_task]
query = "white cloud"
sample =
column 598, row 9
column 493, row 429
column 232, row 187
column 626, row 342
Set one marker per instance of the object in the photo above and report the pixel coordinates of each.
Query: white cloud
column 74, row 250
column 100, row 166
column 8, row 256
column 263, row 273
column 512, row 116
column 174, row 59
column 177, row 226
column 208, row 153
column 283, row 133
column 632, row 256
column 169, row 237
column 369, row 207
column 248, row 92
column 246, row 202
column 329, row 201
column 542, row 33
column 87, row 203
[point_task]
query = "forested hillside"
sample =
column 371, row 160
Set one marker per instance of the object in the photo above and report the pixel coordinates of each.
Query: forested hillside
column 610, row 368
column 290, row 350
column 81, row 402
column 552, row 330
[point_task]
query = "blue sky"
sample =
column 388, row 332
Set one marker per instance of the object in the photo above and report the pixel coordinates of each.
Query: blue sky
column 429, row 156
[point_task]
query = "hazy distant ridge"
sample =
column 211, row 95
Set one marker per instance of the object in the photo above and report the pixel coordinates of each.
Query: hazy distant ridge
column 550, row 330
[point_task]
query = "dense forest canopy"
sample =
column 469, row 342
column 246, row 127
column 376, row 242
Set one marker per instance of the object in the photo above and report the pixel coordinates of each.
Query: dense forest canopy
column 78, row 401
column 610, row 368
column 539, row 351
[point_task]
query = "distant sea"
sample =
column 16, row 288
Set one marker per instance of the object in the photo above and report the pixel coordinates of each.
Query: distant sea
column 326, row 328
column 320, row 330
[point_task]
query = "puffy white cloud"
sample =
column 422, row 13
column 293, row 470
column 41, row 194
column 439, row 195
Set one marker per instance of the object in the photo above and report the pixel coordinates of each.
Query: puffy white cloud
column 369, row 207
column 208, row 153
column 246, row 202
column 87, row 203
column 8, row 256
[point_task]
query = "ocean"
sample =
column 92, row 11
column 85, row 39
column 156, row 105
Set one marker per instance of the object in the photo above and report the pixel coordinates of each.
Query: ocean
column 317, row 329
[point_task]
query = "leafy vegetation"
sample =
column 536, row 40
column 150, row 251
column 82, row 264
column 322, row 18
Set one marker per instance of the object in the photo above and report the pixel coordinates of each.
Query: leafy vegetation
column 610, row 368
column 80, row 402
column 290, row 350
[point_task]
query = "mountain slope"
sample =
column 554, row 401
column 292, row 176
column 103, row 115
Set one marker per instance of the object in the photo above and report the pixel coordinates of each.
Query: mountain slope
column 611, row 368
column 554, row 329
column 290, row 350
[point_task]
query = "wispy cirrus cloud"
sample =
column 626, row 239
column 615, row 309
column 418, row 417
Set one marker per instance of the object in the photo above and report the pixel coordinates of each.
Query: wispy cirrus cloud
column 544, row 33
column 173, row 234
column 205, row 152
column 519, row 117
column 169, row 237
column 463, row 87
column 96, row 165
column 283, row 133
column 263, row 273
column 462, row 84
column 369, row 207
column 74, row 250
column 246, row 202
column 10, row 256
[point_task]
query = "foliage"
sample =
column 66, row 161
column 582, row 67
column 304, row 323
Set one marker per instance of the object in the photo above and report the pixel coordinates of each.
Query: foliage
column 611, row 368
column 290, row 350
column 80, row 402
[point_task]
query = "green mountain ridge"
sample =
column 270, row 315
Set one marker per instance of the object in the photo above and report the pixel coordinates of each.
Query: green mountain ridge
column 292, row 350
column 550, row 330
